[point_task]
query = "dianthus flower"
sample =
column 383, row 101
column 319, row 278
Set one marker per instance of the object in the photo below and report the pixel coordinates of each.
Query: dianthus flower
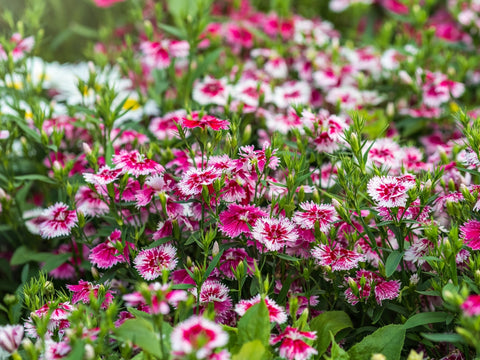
column 383, row 289
column 293, row 346
column 238, row 219
column 135, row 164
column 276, row 313
column 150, row 263
column 470, row 231
column 193, row 181
column 197, row 336
column 104, row 176
column 471, row 306
column 274, row 233
column 325, row 215
column 194, row 120
column 214, row 292
column 338, row 258
column 82, row 291
column 106, row 255
column 389, row 191
column 10, row 337
column 58, row 221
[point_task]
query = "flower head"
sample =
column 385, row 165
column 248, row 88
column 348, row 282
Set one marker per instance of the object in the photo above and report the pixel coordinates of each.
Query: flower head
column 84, row 289
column 470, row 231
column 293, row 346
column 195, row 119
column 273, row 233
column 135, row 164
column 150, row 263
column 238, row 219
column 471, row 306
column 389, row 191
column 338, row 258
column 198, row 336
column 276, row 313
column 58, row 221
column 323, row 213
column 10, row 337
column 106, row 254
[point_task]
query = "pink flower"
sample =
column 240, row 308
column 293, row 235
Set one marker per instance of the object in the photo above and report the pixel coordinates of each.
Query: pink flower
column 150, row 263
column 250, row 159
column 156, row 55
column 136, row 164
column 58, row 221
column 197, row 336
column 389, row 191
column 238, row 219
column 230, row 260
column 84, row 289
column 106, row 254
column 216, row 293
column 90, row 203
column 193, row 181
column 162, row 296
column 338, row 258
column 276, row 313
column 471, row 306
column 274, row 234
column 165, row 127
column 58, row 318
column 194, row 120
column 383, row 289
column 210, row 91
column 470, row 231
column 323, row 213
column 106, row 3
column 104, row 176
column 55, row 351
column 293, row 346
column 10, row 337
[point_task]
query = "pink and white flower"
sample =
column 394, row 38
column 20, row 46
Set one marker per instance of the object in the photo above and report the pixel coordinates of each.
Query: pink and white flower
column 276, row 312
column 214, row 292
column 136, row 164
column 293, row 346
column 11, row 337
column 337, row 258
column 107, row 255
column 104, row 176
column 197, row 119
column 85, row 289
column 389, row 191
column 324, row 214
column 470, row 232
column 57, row 221
column 150, row 263
column 471, row 306
column 197, row 336
column 238, row 219
column 274, row 233
column 382, row 289
column 193, row 181
column 211, row 91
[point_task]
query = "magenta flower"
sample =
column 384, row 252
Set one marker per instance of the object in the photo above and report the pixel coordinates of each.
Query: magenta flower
column 104, row 176
column 90, row 203
column 58, row 320
column 215, row 292
column 238, row 219
column 106, row 255
column 471, row 306
column 193, row 121
column 193, row 181
column 210, row 91
column 197, row 336
column 383, row 289
column 150, row 263
column 84, row 289
column 276, row 312
column 389, row 191
column 338, row 258
column 470, row 231
column 230, row 260
column 162, row 296
column 274, row 234
column 325, row 215
column 10, row 337
column 106, row 3
column 156, row 55
column 293, row 346
column 135, row 164
column 58, row 221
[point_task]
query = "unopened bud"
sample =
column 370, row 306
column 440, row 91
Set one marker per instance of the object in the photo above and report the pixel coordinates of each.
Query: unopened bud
column 86, row 148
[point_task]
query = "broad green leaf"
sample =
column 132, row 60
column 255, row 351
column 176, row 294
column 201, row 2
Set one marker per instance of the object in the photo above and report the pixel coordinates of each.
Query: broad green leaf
column 337, row 353
column 387, row 340
column 212, row 265
column 392, row 262
column 250, row 350
column 141, row 333
column 326, row 323
column 77, row 352
column 255, row 325
column 55, row 260
column 23, row 255
column 425, row 319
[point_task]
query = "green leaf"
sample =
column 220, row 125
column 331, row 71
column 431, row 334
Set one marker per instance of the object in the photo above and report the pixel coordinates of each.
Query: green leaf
column 387, row 340
column 182, row 8
column 392, row 262
column 55, row 260
column 141, row 333
column 38, row 177
column 337, row 353
column 77, row 352
column 425, row 319
column 250, row 350
column 326, row 323
column 23, row 255
column 212, row 265
column 255, row 325
column 177, row 32
column 443, row 337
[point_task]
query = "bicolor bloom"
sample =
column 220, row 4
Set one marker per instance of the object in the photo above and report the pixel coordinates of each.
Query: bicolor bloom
column 58, row 320
column 210, row 91
column 90, row 203
column 471, row 306
column 150, row 263
column 216, row 293
column 58, row 221
column 104, row 176
column 10, row 337
column 276, row 312
column 197, row 336
column 382, row 289
column 55, row 351
column 107, row 255
column 274, row 233
column 161, row 297
column 193, row 181
column 325, row 214
column 238, row 219
column 293, row 346
column 136, row 164
column 470, row 231
column 84, row 289
column 389, row 191
column 337, row 258
column 195, row 119
column 230, row 260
